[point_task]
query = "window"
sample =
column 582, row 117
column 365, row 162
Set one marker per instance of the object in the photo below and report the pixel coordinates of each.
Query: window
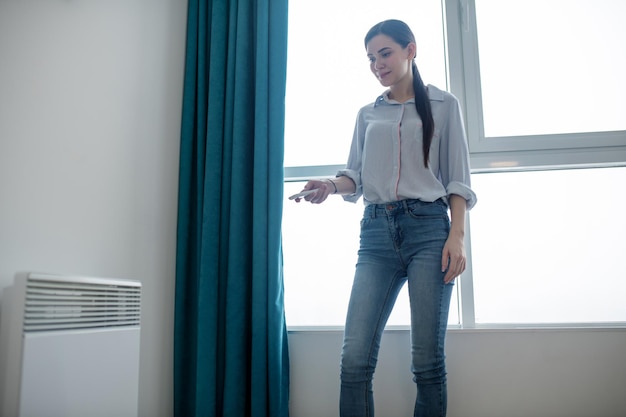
column 551, row 67
column 548, row 246
column 540, row 75
column 541, row 87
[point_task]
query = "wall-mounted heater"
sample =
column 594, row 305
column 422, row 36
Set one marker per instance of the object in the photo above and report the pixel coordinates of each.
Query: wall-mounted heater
column 69, row 347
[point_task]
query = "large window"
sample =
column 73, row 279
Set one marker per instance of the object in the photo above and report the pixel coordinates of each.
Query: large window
column 541, row 87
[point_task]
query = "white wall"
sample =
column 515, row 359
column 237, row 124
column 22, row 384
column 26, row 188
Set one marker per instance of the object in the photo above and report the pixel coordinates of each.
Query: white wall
column 491, row 373
column 90, row 104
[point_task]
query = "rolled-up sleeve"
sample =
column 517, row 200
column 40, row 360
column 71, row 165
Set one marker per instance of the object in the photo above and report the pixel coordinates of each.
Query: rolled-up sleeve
column 454, row 155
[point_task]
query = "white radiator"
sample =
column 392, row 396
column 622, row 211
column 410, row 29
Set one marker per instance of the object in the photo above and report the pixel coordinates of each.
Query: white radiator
column 69, row 347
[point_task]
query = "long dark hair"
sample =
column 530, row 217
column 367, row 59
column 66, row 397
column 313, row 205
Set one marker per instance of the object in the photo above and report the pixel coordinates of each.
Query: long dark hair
column 402, row 34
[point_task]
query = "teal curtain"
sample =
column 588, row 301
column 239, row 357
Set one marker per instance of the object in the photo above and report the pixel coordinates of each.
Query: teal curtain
column 230, row 347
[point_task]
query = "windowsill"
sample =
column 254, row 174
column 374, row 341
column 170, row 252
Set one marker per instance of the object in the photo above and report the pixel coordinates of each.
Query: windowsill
column 514, row 327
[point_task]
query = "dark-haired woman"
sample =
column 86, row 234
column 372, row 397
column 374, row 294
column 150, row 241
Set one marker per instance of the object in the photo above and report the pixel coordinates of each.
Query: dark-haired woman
column 409, row 161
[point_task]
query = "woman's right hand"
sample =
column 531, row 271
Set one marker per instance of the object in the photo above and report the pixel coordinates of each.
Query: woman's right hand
column 323, row 188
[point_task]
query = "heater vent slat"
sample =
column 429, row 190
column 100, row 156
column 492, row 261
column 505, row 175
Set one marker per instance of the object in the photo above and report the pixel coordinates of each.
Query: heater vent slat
column 59, row 305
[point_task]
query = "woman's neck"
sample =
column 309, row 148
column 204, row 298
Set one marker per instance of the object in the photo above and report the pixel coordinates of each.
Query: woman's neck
column 402, row 91
column 401, row 96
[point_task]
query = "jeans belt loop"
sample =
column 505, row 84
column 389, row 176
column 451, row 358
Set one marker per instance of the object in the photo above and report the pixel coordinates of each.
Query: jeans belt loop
column 372, row 209
column 405, row 206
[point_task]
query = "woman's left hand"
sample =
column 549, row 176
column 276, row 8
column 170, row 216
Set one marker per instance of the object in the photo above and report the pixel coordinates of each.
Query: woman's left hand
column 453, row 260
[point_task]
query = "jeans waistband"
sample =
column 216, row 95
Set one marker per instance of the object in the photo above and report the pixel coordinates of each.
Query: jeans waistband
column 402, row 206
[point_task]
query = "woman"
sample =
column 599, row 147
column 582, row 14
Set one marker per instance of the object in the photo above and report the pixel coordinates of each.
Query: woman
column 409, row 161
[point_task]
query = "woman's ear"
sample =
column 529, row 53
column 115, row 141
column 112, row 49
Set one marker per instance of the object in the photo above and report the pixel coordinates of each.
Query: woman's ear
column 412, row 50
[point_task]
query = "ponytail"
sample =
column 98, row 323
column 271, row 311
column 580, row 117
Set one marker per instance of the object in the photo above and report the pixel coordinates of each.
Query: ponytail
column 422, row 104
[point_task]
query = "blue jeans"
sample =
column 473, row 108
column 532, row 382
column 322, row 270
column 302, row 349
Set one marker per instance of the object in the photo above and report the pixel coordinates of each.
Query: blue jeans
column 400, row 242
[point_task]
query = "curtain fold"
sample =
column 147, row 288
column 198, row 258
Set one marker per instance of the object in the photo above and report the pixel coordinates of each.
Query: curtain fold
column 230, row 347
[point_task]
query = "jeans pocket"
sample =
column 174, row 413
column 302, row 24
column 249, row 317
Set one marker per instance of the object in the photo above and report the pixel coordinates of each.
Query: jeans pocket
column 424, row 210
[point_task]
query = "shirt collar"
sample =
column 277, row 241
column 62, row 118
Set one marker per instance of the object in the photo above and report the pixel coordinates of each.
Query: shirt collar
column 434, row 94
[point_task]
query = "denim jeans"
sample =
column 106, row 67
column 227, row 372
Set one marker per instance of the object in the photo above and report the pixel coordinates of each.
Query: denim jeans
column 400, row 242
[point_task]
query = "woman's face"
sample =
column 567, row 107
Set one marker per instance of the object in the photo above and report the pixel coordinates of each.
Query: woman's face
column 389, row 61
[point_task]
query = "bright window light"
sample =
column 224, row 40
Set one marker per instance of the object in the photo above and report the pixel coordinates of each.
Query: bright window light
column 548, row 247
column 550, row 67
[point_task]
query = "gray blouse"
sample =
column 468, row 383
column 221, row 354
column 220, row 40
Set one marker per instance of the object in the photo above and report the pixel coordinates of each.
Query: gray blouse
column 386, row 160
